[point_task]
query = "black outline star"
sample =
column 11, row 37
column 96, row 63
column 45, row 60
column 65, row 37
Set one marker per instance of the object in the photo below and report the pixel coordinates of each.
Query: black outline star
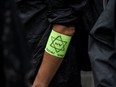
column 58, row 38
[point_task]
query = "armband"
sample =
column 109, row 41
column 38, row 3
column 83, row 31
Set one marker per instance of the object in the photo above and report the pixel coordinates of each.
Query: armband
column 57, row 44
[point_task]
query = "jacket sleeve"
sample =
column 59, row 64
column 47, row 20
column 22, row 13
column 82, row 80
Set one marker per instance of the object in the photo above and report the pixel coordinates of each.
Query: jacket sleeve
column 102, row 48
column 65, row 11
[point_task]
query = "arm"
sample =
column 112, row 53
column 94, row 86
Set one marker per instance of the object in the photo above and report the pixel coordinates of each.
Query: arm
column 60, row 14
column 51, row 63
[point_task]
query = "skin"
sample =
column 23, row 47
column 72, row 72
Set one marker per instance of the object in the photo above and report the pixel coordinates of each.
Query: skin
column 50, row 64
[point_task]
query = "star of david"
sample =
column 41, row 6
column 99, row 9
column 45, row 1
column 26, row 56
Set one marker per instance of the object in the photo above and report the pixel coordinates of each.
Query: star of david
column 58, row 44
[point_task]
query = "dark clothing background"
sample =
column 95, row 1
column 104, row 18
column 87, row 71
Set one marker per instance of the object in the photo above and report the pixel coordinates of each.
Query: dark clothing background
column 2, row 77
column 91, row 13
column 15, row 62
column 102, row 47
column 38, row 17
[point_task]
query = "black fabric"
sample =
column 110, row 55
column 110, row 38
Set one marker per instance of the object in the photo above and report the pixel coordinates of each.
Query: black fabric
column 102, row 47
column 15, row 57
column 65, row 11
column 2, row 77
column 91, row 13
column 38, row 17
column 92, row 10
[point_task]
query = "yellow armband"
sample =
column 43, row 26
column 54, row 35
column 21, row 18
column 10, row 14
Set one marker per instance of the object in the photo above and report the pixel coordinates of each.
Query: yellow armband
column 57, row 44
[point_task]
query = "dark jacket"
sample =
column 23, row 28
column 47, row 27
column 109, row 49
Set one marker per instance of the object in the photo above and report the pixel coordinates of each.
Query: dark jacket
column 15, row 62
column 38, row 17
column 102, row 47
